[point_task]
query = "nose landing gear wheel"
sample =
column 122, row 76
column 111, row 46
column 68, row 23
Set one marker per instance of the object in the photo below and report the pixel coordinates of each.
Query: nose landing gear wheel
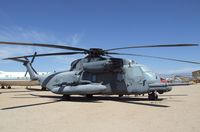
column 153, row 96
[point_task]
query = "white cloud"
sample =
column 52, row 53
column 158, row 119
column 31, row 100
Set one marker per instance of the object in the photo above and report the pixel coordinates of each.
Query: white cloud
column 76, row 39
column 17, row 33
column 20, row 34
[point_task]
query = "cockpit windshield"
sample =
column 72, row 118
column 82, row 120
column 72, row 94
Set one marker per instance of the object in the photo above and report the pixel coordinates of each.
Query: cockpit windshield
column 145, row 69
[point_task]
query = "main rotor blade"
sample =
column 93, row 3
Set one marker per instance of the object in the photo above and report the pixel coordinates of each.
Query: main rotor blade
column 153, row 46
column 48, row 54
column 45, row 45
column 156, row 57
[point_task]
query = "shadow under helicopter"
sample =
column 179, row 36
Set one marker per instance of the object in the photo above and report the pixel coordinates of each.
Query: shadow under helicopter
column 16, row 91
column 21, row 91
column 97, row 99
column 29, row 105
column 35, row 89
column 173, row 95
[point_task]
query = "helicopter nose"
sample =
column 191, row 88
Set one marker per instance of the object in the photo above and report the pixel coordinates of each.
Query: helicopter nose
column 160, row 87
column 151, row 77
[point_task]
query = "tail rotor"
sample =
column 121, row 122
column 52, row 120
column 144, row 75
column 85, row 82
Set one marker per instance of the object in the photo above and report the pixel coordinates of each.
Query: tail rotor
column 33, row 58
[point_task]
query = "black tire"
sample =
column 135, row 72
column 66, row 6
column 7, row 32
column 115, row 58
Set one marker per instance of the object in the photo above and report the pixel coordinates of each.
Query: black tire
column 44, row 89
column 120, row 95
column 66, row 97
column 89, row 96
column 153, row 96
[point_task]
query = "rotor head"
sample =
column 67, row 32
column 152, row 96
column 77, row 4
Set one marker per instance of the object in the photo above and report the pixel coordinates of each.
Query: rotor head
column 96, row 52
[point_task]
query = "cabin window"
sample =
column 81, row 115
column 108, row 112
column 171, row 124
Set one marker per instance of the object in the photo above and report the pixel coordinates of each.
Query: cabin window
column 89, row 76
column 94, row 78
column 119, row 77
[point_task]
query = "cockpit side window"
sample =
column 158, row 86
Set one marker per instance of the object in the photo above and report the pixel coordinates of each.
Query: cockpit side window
column 145, row 69
column 137, row 71
column 134, row 71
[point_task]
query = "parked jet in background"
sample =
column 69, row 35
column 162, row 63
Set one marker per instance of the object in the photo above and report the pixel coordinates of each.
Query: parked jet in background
column 8, row 79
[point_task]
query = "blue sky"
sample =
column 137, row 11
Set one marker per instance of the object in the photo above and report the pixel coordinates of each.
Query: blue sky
column 101, row 23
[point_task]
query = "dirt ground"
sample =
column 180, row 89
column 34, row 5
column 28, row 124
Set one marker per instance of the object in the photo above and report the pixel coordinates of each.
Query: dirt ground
column 25, row 110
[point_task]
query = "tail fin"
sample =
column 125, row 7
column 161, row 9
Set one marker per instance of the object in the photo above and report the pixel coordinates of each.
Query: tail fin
column 28, row 64
column 31, row 63
column 33, row 74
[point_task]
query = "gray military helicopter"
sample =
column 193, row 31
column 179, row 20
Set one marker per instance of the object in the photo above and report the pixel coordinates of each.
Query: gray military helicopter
column 99, row 73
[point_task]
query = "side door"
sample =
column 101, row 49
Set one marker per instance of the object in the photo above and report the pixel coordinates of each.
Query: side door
column 135, row 80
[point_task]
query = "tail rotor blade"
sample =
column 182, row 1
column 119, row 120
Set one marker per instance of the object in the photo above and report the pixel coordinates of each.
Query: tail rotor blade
column 31, row 63
column 26, row 70
column 34, row 70
column 33, row 57
column 26, row 73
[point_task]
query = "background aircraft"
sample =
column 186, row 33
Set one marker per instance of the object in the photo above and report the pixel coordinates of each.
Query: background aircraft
column 8, row 79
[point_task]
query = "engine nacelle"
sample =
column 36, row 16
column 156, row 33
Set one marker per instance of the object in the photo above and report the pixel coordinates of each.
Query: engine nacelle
column 113, row 65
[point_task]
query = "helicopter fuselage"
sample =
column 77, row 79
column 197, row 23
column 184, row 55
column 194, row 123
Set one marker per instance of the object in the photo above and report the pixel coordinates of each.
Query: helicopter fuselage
column 98, row 72
column 104, row 76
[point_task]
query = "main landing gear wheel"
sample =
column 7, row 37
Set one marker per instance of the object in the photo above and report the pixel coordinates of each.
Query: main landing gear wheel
column 153, row 96
column 120, row 95
column 65, row 97
column 89, row 96
column 44, row 89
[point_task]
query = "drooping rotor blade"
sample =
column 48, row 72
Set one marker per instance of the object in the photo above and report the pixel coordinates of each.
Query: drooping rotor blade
column 19, row 60
column 48, row 54
column 153, row 46
column 156, row 57
column 44, row 45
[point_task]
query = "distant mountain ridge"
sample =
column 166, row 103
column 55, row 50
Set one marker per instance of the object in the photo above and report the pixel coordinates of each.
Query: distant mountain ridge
column 176, row 74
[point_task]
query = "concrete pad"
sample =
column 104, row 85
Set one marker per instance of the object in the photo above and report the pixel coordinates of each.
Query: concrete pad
column 23, row 110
